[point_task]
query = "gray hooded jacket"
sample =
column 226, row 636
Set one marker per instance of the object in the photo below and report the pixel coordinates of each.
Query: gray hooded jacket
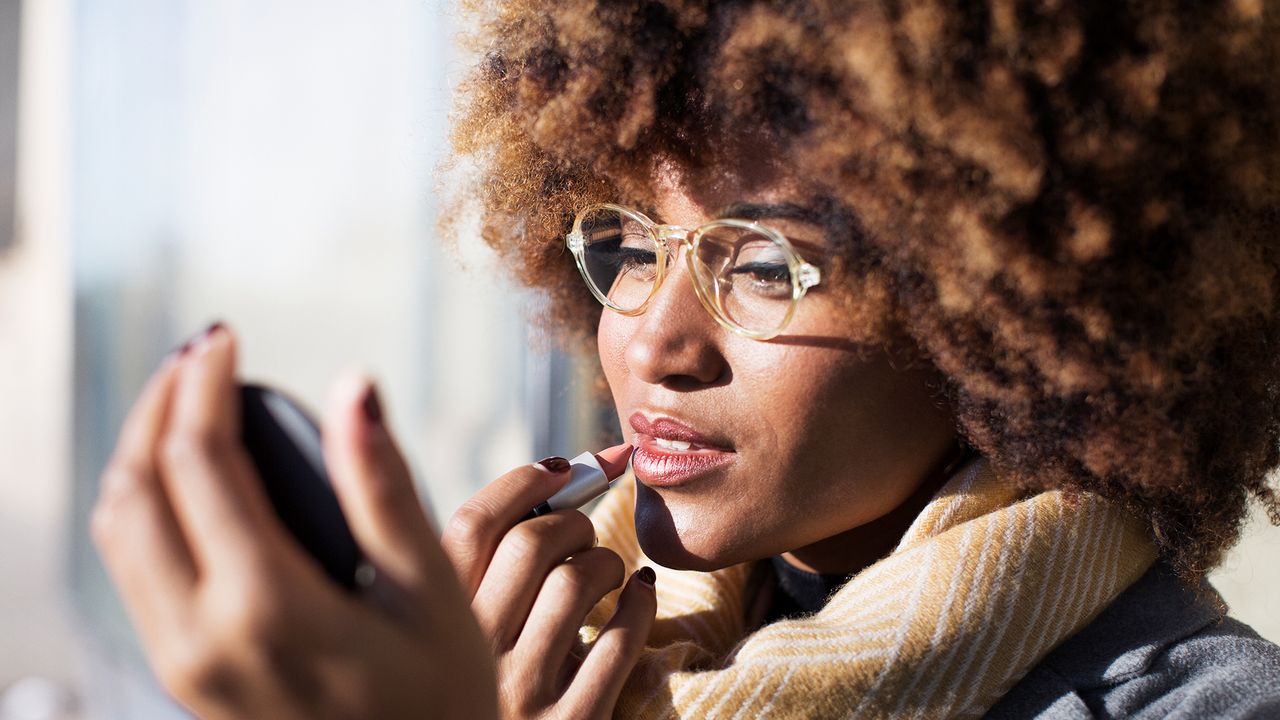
column 1161, row 650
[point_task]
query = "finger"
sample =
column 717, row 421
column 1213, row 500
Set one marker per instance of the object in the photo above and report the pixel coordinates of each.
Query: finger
column 473, row 533
column 520, row 567
column 376, row 491
column 143, row 425
column 216, row 493
column 132, row 524
column 595, row 689
column 571, row 589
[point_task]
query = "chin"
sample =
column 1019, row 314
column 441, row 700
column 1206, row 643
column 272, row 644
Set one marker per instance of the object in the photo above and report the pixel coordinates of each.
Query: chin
column 667, row 545
column 667, row 550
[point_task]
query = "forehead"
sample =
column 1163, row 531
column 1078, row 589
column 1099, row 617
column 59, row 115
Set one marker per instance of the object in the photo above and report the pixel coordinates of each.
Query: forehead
column 685, row 193
column 748, row 190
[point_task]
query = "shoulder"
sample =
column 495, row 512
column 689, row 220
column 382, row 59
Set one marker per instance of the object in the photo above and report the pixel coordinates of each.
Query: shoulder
column 1161, row 650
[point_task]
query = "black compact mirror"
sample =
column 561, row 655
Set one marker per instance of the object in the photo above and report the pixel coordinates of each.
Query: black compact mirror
column 284, row 442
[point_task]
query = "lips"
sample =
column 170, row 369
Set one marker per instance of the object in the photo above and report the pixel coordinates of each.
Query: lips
column 669, row 429
column 670, row 453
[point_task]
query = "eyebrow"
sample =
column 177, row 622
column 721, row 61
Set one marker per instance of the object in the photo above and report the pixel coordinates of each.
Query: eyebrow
column 839, row 224
column 785, row 211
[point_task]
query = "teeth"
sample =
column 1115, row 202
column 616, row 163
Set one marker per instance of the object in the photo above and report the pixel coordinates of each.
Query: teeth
column 679, row 445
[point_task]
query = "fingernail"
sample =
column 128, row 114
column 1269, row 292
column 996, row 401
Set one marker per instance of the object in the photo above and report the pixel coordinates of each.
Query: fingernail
column 196, row 339
column 371, row 406
column 647, row 576
column 201, row 341
column 554, row 464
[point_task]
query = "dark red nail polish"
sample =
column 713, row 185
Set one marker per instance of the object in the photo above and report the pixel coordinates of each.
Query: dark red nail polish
column 371, row 406
column 554, row 464
column 647, row 576
column 196, row 339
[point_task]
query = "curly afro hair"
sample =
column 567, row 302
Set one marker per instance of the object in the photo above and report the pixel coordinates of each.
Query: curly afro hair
column 1069, row 207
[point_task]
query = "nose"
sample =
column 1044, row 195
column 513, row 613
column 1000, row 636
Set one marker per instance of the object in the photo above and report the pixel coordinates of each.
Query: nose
column 675, row 342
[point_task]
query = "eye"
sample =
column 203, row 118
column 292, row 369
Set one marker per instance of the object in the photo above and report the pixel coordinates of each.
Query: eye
column 764, row 272
column 634, row 257
column 635, row 260
column 760, row 267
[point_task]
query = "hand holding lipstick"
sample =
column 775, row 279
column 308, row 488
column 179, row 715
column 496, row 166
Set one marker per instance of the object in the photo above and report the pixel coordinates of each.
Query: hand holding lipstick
column 534, row 575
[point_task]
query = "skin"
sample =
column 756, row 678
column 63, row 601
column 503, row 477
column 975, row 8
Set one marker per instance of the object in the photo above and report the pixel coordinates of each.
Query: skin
column 835, row 449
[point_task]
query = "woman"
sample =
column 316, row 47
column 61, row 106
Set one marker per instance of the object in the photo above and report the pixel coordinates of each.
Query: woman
column 945, row 337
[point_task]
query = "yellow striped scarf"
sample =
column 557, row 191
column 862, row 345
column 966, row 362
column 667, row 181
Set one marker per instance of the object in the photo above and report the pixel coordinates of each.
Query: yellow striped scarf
column 983, row 585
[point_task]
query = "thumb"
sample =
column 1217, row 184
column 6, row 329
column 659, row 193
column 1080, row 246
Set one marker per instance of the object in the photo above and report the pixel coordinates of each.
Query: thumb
column 376, row 491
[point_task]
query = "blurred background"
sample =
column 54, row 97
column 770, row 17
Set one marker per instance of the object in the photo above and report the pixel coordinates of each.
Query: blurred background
column 166, row 163
column 269, row 163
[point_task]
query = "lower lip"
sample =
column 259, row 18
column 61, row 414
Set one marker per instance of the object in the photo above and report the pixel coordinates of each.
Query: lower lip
column 657, row 466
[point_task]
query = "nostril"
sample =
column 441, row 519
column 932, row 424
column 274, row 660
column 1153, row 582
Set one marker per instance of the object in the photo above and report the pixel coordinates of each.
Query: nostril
column 676, row 345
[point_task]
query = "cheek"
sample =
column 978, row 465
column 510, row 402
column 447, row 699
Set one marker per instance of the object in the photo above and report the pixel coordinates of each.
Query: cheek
column 612, row 335
column 835, row 429
column 800, row 413
column 873, row 431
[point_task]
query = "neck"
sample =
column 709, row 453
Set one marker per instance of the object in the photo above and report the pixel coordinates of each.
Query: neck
column 853, row 550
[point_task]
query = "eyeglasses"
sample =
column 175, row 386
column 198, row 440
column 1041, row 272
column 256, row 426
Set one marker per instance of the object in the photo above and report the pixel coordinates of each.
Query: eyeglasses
column 746, row 275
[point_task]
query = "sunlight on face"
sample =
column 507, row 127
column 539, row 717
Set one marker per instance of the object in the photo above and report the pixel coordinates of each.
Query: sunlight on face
column 748, row 449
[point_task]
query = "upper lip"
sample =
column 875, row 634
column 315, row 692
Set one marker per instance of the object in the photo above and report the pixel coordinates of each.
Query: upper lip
column 672, row 429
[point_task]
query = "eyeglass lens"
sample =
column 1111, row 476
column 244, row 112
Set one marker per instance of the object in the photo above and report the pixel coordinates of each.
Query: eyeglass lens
column 744, row 273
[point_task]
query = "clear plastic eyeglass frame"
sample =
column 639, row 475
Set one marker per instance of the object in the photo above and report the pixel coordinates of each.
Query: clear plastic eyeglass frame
column 803, row 274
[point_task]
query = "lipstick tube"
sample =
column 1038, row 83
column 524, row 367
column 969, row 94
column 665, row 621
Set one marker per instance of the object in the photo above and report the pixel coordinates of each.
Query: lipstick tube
column 588, row 480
